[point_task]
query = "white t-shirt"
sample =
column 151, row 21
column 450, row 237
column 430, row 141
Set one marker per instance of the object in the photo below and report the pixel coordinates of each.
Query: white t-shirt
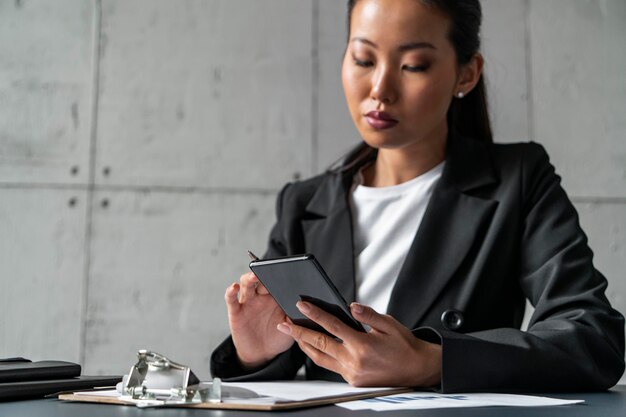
column 385, row 221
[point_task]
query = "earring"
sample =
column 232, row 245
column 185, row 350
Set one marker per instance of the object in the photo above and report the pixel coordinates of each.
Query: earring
column 460, row 94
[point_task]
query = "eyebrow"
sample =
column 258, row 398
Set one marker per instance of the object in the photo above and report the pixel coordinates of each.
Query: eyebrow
column 401, row 48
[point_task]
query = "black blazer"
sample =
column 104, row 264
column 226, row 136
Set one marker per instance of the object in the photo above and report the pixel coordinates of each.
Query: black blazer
column 499, row 229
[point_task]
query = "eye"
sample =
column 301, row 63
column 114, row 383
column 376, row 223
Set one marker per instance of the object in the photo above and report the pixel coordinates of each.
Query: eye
column 415, row 68
column 362, row 63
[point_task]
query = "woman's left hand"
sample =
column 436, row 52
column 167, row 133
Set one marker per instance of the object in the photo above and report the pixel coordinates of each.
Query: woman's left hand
column 388, row 355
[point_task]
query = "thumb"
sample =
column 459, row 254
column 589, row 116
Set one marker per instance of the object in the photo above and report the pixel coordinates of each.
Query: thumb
column 367, row 315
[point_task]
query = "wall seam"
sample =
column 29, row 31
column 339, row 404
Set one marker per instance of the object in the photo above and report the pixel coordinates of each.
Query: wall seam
column 598, row 200
column 91, row 181
column 315, row 81
column 530, row 115
column 140, row 188
column 222, row 190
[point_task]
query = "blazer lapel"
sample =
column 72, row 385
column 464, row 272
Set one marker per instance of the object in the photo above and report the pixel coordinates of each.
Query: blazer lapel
column 328, row 232
column 452, row 222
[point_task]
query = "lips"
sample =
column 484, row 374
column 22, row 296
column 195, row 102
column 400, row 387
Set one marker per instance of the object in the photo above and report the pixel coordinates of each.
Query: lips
column 380, row 120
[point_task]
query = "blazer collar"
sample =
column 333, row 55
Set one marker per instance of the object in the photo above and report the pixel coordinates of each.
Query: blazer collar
column 468, row 166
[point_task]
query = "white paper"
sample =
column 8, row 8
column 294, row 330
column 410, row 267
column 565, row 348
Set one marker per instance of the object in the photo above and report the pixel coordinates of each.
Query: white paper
column 303, row 390
column 104, row 393
column 423, row 400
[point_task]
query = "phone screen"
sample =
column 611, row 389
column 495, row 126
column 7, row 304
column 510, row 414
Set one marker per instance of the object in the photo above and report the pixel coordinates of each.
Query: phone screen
column 294, row 278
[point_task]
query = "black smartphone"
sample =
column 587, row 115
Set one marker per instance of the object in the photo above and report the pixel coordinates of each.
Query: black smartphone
column 301, row 277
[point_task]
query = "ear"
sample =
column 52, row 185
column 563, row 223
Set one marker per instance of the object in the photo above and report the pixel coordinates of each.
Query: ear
column 469, row 75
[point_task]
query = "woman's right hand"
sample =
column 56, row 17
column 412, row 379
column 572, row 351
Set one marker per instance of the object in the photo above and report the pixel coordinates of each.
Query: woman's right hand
column 253, row 316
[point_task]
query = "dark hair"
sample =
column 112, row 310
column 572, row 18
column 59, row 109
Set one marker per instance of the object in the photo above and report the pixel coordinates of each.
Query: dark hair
column 469, row 116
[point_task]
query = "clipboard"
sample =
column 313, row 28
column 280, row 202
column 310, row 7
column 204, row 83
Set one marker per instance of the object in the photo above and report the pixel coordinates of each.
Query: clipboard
column 282, row 405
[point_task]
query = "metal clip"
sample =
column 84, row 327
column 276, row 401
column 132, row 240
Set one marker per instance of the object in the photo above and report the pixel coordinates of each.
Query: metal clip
column 155, row 378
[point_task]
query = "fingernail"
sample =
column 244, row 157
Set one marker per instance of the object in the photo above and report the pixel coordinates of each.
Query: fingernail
column 283, row 328
column 304, row 307
column 357, row 308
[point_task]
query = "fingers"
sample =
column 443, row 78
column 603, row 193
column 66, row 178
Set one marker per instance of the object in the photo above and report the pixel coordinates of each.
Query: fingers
column 232, row 302
column 329, row 322
column 248, row 285
column 320, row 358
column 316, row 340
column 367, row 315
column 260, row 289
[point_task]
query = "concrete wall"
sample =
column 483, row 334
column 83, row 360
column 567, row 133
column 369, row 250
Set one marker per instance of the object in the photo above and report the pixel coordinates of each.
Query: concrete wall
column 142, row 143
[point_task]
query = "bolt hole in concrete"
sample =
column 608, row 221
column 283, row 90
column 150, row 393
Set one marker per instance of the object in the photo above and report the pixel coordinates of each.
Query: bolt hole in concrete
column 104, row 203
column 72, row 202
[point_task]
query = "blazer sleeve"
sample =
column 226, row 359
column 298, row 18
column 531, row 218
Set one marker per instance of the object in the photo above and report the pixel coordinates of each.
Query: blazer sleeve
column 224, row 361
column 575, row 339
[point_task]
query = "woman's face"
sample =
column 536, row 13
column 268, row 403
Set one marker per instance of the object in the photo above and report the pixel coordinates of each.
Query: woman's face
column 399, row 72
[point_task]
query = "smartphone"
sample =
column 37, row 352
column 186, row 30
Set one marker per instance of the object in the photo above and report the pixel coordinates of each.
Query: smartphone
column 301, row 278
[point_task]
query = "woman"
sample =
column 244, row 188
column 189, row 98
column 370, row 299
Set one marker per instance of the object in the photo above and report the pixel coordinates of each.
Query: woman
column 439, row 234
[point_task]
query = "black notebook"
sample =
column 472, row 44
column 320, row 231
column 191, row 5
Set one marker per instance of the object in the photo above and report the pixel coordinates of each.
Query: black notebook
column 21, row 379
column 20, row 369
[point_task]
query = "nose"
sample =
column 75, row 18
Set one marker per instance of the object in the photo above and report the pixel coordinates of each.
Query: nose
column 383, row 86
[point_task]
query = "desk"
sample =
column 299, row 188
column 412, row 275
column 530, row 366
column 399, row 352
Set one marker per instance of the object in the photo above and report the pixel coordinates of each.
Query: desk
column 602, row 404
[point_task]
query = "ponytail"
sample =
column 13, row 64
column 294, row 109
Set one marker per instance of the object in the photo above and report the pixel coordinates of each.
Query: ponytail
column 469, row 116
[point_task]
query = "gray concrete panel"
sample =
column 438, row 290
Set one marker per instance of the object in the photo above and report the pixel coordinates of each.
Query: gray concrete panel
column 41, row 269
column 336, row 131
column 46, row 77
column 579, row 87
column 504, row 49
column 212, row 93
column 160, row 266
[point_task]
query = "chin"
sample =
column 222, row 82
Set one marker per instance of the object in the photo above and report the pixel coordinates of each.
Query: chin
column 382, row 140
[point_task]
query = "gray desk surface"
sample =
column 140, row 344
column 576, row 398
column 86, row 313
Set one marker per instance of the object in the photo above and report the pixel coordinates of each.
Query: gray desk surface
column 602, row 404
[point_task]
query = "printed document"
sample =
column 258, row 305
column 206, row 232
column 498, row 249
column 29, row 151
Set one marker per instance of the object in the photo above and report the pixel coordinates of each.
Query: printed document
column 423, row 400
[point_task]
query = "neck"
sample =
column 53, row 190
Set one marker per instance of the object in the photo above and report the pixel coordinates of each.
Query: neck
column 398, row 165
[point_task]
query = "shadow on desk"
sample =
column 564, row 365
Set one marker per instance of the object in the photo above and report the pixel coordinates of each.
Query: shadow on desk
column 598, row 404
